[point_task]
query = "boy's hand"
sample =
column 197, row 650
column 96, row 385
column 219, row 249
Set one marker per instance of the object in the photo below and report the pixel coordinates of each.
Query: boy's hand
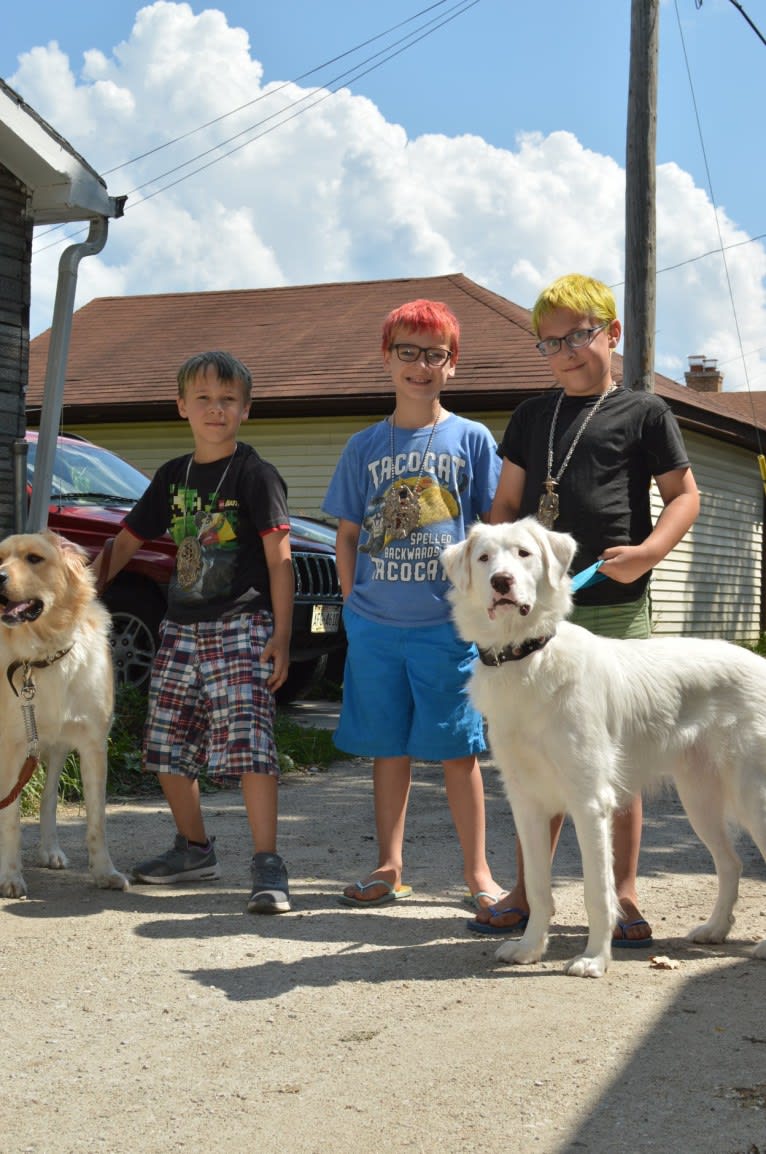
column 626, row 563
column 278, row 653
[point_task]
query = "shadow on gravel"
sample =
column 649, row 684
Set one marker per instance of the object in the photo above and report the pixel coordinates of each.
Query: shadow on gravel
column 697, row 1080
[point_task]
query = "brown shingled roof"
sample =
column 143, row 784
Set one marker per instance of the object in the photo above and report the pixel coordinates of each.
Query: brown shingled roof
column 312, row 349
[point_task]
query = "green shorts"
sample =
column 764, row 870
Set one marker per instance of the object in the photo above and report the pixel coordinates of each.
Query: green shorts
column 632, row 619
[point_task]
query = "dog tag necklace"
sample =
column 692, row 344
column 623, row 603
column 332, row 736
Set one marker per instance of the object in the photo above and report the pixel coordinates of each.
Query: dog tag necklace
column 548, row 505
column 401, row 505
column 189, row 556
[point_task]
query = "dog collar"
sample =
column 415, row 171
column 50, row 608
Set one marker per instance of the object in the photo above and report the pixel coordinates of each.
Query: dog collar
column 28, row 665
column 513, row 652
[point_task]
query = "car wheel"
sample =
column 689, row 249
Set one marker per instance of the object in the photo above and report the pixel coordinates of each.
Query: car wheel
column 136, row 615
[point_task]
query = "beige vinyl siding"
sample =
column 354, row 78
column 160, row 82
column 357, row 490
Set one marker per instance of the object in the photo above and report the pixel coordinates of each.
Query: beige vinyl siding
column 710, row 584
column 305, row 450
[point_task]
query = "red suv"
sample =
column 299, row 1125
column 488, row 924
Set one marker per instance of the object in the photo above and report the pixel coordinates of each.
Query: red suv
column 92, row 490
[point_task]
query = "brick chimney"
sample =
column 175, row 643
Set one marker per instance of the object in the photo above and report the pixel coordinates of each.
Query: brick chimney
column 704, row 375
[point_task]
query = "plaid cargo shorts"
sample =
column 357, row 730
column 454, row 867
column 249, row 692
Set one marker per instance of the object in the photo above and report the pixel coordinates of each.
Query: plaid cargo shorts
column 210, row 708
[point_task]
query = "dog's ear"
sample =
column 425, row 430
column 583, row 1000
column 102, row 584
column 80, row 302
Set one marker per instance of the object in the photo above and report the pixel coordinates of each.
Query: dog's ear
column 455, row 561
column 75, row 556
column 558, row 550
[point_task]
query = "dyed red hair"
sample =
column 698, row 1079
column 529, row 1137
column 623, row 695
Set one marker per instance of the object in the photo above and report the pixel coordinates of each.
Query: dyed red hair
column 423, row 316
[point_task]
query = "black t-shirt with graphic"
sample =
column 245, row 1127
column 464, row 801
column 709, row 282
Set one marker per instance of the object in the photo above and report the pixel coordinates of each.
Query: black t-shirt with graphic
column 251, row 500
column 604, row 490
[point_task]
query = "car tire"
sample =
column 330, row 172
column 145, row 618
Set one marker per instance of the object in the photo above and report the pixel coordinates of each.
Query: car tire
column 136, row 611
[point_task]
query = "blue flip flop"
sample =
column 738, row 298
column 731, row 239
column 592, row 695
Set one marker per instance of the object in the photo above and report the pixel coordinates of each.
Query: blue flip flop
column 626, row 943
column 394, row 894
column 485, row 928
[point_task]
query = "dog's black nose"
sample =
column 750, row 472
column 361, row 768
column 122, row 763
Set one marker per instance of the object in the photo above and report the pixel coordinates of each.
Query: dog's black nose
column 501, row 582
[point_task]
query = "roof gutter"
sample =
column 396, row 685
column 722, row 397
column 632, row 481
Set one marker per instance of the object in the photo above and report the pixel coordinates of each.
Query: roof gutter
column 61, row 331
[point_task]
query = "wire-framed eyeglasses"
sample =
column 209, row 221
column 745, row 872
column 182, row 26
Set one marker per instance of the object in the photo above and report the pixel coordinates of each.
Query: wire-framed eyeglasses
column 579, row 339
column 434, row 358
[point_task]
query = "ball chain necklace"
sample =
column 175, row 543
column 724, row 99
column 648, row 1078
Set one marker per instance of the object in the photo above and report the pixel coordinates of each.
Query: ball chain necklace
column 401, row 505
column 548, row 505
column 189, row 556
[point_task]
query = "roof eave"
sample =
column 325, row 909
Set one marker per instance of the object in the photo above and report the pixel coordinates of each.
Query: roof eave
column 62, row 186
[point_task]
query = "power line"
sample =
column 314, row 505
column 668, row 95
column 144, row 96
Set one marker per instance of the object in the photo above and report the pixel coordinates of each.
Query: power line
column 280, row 87
column 757, row 31
column 712, row 196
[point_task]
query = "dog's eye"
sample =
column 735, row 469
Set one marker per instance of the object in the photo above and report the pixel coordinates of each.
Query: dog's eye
column 35, row 558
column 483, row 557
column 524, row 553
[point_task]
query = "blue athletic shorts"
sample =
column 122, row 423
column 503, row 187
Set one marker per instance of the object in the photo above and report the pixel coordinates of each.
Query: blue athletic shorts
column 404, row 693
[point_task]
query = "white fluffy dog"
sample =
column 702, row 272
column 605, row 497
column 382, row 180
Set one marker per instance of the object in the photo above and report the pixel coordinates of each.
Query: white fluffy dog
column 54, row 657
column 579, row 723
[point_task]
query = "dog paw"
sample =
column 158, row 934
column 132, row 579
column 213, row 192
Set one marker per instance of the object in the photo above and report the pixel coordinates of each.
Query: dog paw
column 587, row 967
column 710, row 932
column 113, row 880
column 13, row 886
column 517, row 954
column 53, row 858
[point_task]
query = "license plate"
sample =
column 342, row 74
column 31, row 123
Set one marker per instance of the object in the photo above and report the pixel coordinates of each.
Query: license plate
column 325, row 618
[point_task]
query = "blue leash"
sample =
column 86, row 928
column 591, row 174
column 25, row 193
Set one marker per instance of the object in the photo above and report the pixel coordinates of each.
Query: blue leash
column 588, row 576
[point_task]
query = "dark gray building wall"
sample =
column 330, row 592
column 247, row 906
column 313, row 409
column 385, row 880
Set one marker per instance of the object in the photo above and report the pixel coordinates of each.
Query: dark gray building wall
column 15, row 288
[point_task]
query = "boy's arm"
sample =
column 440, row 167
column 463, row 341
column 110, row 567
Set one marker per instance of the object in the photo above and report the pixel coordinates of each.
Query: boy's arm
column 678, row 489
column 346, row 543
column 125, row 545
column 276, row 546
column 510, row 490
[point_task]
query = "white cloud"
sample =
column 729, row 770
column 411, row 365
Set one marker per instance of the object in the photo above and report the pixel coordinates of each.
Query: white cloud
column 337, row 193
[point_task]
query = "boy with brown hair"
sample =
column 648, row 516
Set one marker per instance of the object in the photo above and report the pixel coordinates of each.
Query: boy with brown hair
column 224, row 647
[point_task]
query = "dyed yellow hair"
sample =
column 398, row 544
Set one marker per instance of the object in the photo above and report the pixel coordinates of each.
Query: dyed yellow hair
column 580, row 294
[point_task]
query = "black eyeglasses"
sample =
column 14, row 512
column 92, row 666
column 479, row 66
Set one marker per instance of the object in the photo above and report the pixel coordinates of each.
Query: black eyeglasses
column 435, row 358
column 579, row 339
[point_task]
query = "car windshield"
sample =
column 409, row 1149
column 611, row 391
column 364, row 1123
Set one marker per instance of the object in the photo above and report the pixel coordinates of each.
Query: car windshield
column 85, row 472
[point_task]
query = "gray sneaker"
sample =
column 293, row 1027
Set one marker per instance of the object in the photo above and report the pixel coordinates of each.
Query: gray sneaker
column 182, row 863
column 271, row 894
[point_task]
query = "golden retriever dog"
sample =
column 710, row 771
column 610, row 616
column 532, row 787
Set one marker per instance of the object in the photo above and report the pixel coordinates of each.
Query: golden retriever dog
column 579, row 723
column 56, row 695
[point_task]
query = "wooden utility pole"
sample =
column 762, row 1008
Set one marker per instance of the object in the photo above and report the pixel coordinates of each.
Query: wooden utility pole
column 640, row 197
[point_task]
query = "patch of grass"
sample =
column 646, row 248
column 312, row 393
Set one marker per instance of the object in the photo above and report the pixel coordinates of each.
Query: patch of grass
column 304, row 745
column 300, row 748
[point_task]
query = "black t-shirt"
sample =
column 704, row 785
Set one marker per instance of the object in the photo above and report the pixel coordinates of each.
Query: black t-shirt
column 604, row 489
column 250, row 500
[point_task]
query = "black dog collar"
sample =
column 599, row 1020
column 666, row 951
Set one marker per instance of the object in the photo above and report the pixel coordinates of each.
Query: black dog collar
column 513, row 652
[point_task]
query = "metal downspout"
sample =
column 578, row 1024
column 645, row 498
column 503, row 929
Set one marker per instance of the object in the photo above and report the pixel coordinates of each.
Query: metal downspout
column 53, row 395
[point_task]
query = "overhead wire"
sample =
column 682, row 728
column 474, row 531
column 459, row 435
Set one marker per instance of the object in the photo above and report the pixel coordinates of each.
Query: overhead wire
column 722, row 247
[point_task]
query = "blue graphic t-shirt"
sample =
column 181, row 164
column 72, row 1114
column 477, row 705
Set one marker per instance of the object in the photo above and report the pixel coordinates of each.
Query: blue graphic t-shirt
column 399, row 578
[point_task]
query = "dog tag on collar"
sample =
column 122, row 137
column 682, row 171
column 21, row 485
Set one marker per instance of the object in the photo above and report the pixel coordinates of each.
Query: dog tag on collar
column 588, row 576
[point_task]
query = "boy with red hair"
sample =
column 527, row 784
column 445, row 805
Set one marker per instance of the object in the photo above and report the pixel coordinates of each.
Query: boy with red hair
column 402, row 490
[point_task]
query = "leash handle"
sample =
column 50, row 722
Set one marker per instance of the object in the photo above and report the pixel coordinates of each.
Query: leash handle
column 588, row 576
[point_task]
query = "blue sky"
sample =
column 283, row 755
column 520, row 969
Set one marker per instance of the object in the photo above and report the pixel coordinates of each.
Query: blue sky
column 495, row 146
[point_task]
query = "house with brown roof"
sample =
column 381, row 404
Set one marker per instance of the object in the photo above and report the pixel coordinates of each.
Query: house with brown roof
column 314, row 352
